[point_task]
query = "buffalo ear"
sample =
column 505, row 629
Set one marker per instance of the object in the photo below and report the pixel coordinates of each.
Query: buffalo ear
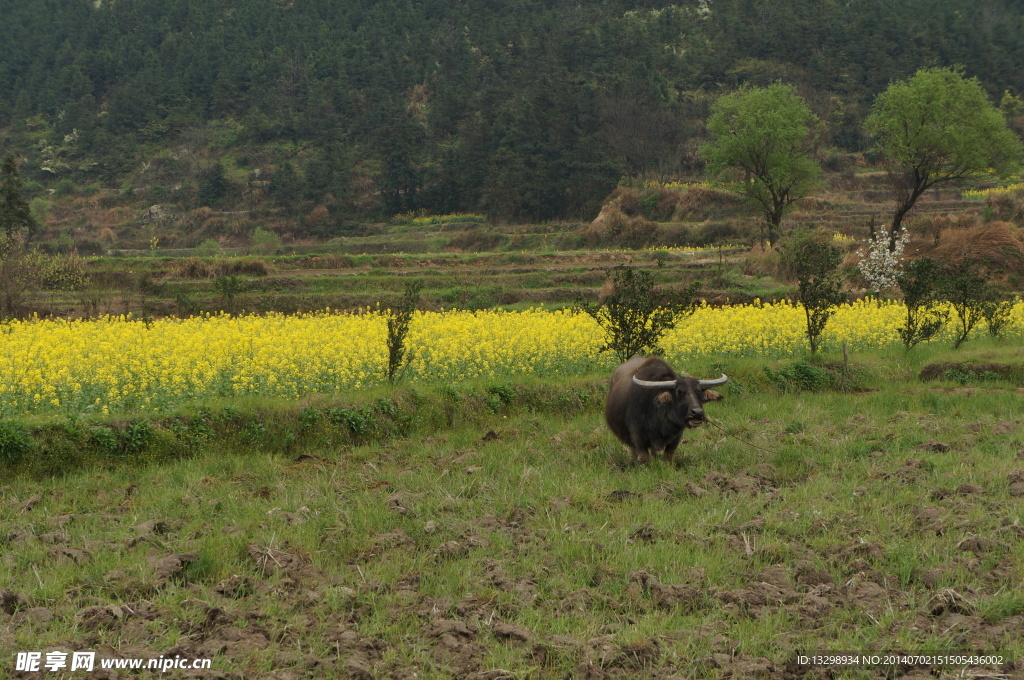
column 665, row 398
column 711, row 395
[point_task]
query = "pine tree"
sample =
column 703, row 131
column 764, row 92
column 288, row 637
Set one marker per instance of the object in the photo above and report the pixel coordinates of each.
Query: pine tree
column 15, row 215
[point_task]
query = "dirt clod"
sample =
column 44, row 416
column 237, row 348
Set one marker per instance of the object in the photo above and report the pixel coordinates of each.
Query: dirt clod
column 60, row 521
column 167, row 566
column 929, row 577
column 695, row 489
column 36, row 615
column 235, row 586
column 980, row 545
column 11, row 601
column 452, row 550
column 153, row 527
column 969, row 489
column 100, row 616
column 807, row 574
column 511, row 632
column 76, row 555
column 686, row 597
column 441, row 627
column 273, row 559
column 949, row 600
column 29, row 504
column 644, row 534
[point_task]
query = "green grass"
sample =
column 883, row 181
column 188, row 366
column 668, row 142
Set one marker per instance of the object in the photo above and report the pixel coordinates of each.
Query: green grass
column 814, row 519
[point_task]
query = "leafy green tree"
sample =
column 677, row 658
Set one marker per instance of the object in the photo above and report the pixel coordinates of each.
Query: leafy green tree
column 768, row 134
column 919, row 284
column 634, row 318
column 15, row 212
column 966, row 288
column 937, row 127
column 819, row 286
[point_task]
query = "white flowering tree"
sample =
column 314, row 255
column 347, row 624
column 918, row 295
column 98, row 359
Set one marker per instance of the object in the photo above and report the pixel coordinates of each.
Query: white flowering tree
column 879, row 265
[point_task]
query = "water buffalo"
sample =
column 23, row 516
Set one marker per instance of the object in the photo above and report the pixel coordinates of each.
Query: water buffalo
column 649, row 405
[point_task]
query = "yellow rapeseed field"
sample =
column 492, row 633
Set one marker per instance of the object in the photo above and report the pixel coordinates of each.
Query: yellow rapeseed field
column 117, row 363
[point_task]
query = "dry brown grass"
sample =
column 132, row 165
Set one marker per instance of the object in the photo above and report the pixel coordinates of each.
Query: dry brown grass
column 475, row 241
column 697, row 203
column 111, row 217
column 814, row 204
column 612, row 227
column 765, row 262
column 628, row 199
column 702, row 203
column 997, row 244
column 318, row 216
column 329, row 261
column 196, row 268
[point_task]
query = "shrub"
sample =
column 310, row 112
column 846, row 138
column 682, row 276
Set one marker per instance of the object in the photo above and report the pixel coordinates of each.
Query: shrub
column 228, row 287
column 40, row 209
column 798, row 376
column 997, row 315
column 208, row 248
column 968, row 291
column 64, row 187
column 15, row 442
column 633, row 318
column 398, row 329
column 815, row 262
column 919, row 284
column 265, row 241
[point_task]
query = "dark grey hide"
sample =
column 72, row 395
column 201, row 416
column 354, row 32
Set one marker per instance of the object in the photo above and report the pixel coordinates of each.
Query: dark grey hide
column 649, row 405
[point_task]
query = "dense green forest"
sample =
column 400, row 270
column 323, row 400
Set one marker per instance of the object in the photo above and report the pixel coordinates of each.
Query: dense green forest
column 522, row 109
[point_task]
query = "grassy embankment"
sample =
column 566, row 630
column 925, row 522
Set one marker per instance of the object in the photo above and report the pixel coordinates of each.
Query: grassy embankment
column 471, row 531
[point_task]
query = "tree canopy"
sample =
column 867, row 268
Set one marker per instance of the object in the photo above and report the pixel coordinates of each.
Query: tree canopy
column 768, row 134
column 936, row 127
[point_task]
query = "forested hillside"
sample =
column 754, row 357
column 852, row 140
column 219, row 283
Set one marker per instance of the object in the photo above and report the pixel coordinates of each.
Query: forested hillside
column 521, row 109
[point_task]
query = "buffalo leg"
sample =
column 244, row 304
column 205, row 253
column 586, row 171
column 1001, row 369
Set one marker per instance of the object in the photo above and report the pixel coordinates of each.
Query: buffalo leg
column 641, row 455
column 670, row 450
column 641, row 449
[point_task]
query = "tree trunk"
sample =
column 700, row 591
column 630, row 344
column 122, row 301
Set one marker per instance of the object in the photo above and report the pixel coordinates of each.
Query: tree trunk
column 774, row 220
column 902, row 208
column 897, row 223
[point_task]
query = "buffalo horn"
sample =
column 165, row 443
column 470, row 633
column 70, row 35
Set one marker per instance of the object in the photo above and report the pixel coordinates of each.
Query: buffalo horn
column 713, row 383
column 655, row 383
